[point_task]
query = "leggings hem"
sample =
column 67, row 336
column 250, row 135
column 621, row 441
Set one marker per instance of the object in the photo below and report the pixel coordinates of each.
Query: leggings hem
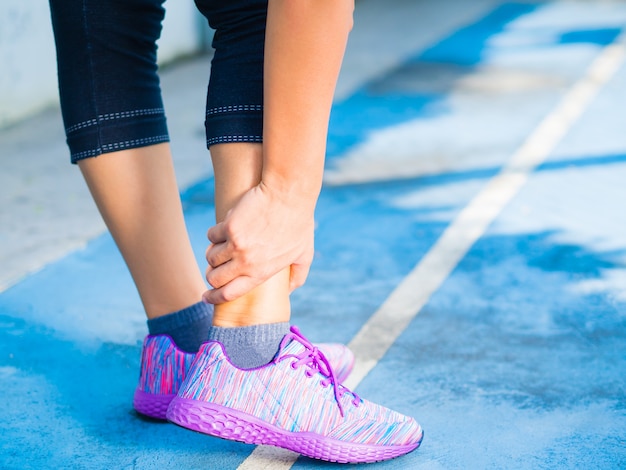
column 117, row 146
column 229, row 139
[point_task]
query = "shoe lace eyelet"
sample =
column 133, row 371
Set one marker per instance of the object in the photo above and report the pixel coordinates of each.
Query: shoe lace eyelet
column 294, row 365
column 309, row 373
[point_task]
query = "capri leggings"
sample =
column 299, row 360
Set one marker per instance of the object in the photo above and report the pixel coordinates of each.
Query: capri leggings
column 108, row 82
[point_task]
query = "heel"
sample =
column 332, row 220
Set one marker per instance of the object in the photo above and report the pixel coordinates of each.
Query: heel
column 152, row 405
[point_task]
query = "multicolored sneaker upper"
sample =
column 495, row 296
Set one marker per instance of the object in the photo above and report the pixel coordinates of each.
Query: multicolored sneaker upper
column 295, row 402
column 340, row 358
column 164, row 367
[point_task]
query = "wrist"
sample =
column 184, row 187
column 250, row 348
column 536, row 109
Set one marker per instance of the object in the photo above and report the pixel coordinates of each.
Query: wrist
column 300, row 192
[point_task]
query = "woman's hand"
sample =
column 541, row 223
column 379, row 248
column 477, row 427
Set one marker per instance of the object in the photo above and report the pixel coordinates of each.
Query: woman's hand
column 263, row 234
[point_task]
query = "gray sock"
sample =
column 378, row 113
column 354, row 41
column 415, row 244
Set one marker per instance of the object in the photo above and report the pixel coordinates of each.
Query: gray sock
column 250, row 346
column 188, row 327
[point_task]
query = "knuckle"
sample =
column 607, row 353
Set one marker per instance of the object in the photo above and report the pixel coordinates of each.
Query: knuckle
column 236, row 244
column 229, row 230
column 228, row 295
column 245, row 262
column 213, row 279
column 211, row 259
column 237, row 240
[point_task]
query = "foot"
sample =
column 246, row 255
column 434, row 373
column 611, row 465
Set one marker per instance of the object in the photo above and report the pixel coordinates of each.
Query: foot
column 164, row 367
column 295, row 402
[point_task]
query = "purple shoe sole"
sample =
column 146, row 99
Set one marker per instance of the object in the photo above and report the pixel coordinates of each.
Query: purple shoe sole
column 227, row 423
column 151, row 404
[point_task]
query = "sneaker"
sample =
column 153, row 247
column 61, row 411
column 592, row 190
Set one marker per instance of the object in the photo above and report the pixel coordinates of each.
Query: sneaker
column 164, row 367
column 294, row 402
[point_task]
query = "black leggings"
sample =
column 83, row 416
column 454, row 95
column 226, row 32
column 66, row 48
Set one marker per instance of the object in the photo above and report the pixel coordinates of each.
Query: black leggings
column 108, row 82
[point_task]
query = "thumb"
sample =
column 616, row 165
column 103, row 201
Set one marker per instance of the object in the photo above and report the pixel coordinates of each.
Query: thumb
column 298, row 275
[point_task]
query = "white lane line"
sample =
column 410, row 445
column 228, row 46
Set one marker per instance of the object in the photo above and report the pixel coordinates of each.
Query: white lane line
column 382, row 329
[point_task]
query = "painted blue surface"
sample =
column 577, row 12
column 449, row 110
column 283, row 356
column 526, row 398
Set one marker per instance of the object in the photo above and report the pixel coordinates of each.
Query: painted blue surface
column 518, row 361
column 393, row 98
column 467, row 45
column 602, row 36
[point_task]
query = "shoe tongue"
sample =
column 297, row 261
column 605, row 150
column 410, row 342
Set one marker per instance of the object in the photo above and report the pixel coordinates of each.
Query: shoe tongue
column 294, row 347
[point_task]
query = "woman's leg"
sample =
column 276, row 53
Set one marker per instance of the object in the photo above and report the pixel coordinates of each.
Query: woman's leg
column 251, row 326
column 235, row 123
column 234, row 127
column 136, row 193
column 272, row 226
column 285, row 392
column 113, row 110
column 237, row 169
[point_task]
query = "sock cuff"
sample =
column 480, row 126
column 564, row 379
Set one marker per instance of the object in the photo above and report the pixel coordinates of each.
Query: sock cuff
column 180, row 319
column 250, row 346
column 265, row 333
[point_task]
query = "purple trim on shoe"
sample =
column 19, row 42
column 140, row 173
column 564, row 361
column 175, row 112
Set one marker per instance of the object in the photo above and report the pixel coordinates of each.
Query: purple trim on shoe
column 151, row 404
column 228, row 423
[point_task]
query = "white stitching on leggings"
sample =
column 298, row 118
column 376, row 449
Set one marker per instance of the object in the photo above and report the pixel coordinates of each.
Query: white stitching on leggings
column 119, row 146
column 234, row 138
column 235, row 108
column 112, row 116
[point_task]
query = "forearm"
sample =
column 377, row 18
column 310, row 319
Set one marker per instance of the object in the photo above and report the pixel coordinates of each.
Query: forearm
column 270, row 227
column 304, row 46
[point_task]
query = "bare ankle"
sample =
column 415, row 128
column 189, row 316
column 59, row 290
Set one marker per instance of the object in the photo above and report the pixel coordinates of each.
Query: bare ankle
column 268, row 303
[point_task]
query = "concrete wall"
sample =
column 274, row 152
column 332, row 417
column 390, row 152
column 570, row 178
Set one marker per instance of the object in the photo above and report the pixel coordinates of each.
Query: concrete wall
column 28, row 79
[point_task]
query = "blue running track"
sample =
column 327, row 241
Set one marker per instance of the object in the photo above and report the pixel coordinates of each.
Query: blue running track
column 517, row 361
